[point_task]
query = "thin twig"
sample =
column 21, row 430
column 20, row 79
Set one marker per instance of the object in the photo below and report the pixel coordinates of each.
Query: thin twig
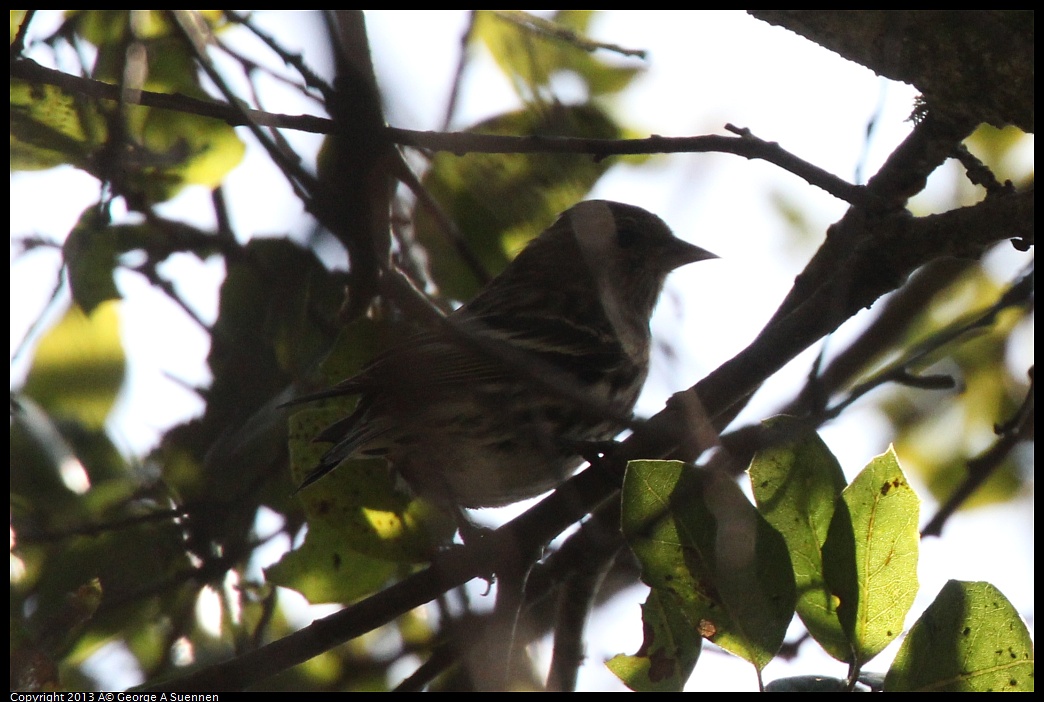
column 458, row 75
column 302, row 182
column 18, row 45
column 980, row 468
column 294, row 60
column 460, row 143
column 550, row 30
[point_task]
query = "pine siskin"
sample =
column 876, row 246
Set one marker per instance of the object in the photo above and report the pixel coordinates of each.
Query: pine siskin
column 550, row 355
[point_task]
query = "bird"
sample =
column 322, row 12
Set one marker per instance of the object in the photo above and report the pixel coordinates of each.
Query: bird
column 496, row 405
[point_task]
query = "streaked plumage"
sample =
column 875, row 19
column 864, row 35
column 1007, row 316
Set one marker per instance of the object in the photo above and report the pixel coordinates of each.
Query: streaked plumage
column 552, row 353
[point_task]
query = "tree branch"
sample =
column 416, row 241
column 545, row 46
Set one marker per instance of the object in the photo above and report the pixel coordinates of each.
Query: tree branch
column 935, row 51
column 744, row 144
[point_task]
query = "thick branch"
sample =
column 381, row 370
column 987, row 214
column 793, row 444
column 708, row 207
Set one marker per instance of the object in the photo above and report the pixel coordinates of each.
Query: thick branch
column 975, row 65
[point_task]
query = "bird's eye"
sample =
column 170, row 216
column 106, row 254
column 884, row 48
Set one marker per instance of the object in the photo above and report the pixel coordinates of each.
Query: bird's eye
column 627, row 234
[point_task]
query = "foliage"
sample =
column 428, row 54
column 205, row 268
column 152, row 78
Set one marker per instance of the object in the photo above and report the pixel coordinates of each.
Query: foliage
column 114, row 552
column 716, row 567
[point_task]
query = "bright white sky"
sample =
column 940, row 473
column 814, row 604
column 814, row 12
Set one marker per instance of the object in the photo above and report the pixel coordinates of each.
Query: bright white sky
column 705, row 68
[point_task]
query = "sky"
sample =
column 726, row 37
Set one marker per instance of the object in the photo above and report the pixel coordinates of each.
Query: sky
column 704, row 69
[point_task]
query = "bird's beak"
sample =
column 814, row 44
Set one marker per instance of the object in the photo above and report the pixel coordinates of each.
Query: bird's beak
column 680, row 253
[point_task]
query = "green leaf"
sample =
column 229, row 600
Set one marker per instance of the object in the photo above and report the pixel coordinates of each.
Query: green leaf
column 936, row 438
column 703, row 543
column 160, row 150
column 47, row 127
column 807, row 683
column 970, row 639
column 501, row 201
column 669, row 650
column 78, row 366
column 272, row 323
column 531, row 51
column 184, row 150
column 325, row 569
column 870, row 556
column 358, row 505
column 155, row 548
column 795, row 485
column 90, row 254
